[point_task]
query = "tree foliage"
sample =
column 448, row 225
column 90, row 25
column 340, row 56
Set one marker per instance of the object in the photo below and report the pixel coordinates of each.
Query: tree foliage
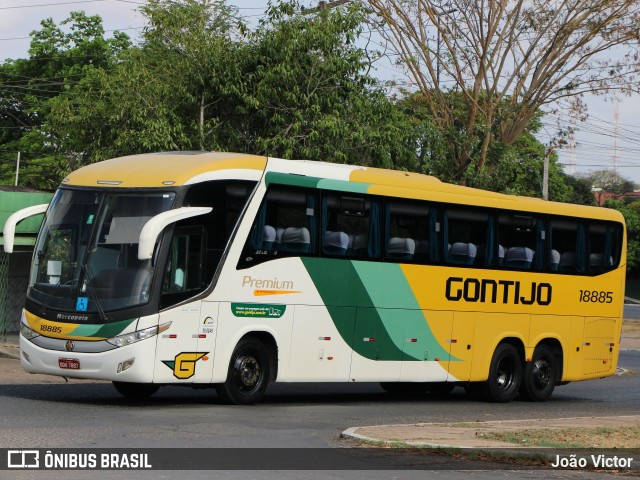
column 505, row 60
column 298, row 85
column 631, row 215
column 60, row 56
column 295, row 87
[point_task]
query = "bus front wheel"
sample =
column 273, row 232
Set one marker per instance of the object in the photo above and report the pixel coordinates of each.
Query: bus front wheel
column 136, row 391
column 540, row 374
column 505, row 375
column 248, row 374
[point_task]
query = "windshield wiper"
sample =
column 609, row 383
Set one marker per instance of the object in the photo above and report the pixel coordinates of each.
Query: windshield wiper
column 86, row 284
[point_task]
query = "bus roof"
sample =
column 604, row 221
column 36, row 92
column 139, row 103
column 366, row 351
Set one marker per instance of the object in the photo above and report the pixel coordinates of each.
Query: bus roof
column 182, row 168
column 162, row 169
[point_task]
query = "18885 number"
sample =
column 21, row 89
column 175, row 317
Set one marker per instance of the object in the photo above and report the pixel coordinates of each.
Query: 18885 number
column 596, row 296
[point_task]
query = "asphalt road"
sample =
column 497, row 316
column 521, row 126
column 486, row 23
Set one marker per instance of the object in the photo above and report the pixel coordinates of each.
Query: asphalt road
column 82, row 414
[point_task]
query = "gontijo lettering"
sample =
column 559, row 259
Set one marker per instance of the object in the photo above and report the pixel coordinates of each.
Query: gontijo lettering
column 487, row 290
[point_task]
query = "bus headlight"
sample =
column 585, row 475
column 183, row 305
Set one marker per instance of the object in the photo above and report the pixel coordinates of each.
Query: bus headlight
column 27, row 333
column 133, row 337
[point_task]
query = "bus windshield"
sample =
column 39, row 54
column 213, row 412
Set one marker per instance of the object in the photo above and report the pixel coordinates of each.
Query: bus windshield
column 86, row 256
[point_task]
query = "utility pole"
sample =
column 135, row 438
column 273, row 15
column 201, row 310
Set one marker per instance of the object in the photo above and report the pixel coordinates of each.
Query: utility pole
column 17, row 168
column 545, row 169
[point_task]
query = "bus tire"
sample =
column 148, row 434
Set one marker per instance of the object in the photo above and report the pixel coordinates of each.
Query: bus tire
column 136, row 391
column 409, row 389
column 248, row 374
column 539, row 376
column 505, row 375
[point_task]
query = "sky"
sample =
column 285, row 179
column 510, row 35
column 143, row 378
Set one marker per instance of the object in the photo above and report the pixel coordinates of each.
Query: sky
column 601, row 142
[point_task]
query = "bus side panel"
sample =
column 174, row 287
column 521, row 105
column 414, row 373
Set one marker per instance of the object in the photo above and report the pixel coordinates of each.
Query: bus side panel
column 318, row 351
column 377, row 345
column 463, row 346
column 600, row 343
column 237, row 319
column 550, row 326
column 177, row 355
column 491, row 329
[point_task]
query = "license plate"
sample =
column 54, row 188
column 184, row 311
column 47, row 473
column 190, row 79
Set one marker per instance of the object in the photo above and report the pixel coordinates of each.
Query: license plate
column 69, row 363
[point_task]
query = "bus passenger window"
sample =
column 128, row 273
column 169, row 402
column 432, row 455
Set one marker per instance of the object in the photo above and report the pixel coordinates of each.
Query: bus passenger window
column 521, row 242
column 284, row 226
column 604, row 247
column 412, row 232
column 568, row 238
column 469, row 236
column 351, row 226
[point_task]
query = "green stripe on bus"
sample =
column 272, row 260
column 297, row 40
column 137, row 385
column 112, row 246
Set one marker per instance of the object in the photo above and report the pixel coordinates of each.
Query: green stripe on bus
column 357, row 326
column 315, row 182
column 108, row 330
column 344, row 186
column 376, row 328
column 291, row 179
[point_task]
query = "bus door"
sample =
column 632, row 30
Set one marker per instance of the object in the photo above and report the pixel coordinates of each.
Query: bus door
column 184, row 349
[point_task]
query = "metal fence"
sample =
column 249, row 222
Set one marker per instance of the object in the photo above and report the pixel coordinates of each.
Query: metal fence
column 4, row 296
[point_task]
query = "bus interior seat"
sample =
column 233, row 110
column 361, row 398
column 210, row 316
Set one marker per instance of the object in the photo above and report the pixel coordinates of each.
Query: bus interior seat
column 268, row 237
column 360, row 245
column 554, row 260
column 104, row 258
column 501, row 253
column 400, row 248
column 422, row 251
column 597, row 263
column 279, row 233
column 519, row 257
column 335, row 243
column 567, row 262
column 295, row 240
column 462, row 253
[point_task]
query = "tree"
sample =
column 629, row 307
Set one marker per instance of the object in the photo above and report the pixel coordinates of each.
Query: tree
column 507, row 59
column 516, row 168
column 172, row 92
column 59, row 57
column 295, row 87
column 310, row 94
column 631, row 215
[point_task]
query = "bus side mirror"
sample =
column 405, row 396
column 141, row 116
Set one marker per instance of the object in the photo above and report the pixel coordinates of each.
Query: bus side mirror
column 9, row 232
column 155, row 225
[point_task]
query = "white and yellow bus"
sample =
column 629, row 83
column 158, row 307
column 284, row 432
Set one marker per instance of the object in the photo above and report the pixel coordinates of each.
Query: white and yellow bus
column 235, row 271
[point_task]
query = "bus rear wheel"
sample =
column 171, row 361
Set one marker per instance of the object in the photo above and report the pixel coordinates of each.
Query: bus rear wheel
column 248, row 374
column 505, row 375
column 136, row 391
column 540, row 374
